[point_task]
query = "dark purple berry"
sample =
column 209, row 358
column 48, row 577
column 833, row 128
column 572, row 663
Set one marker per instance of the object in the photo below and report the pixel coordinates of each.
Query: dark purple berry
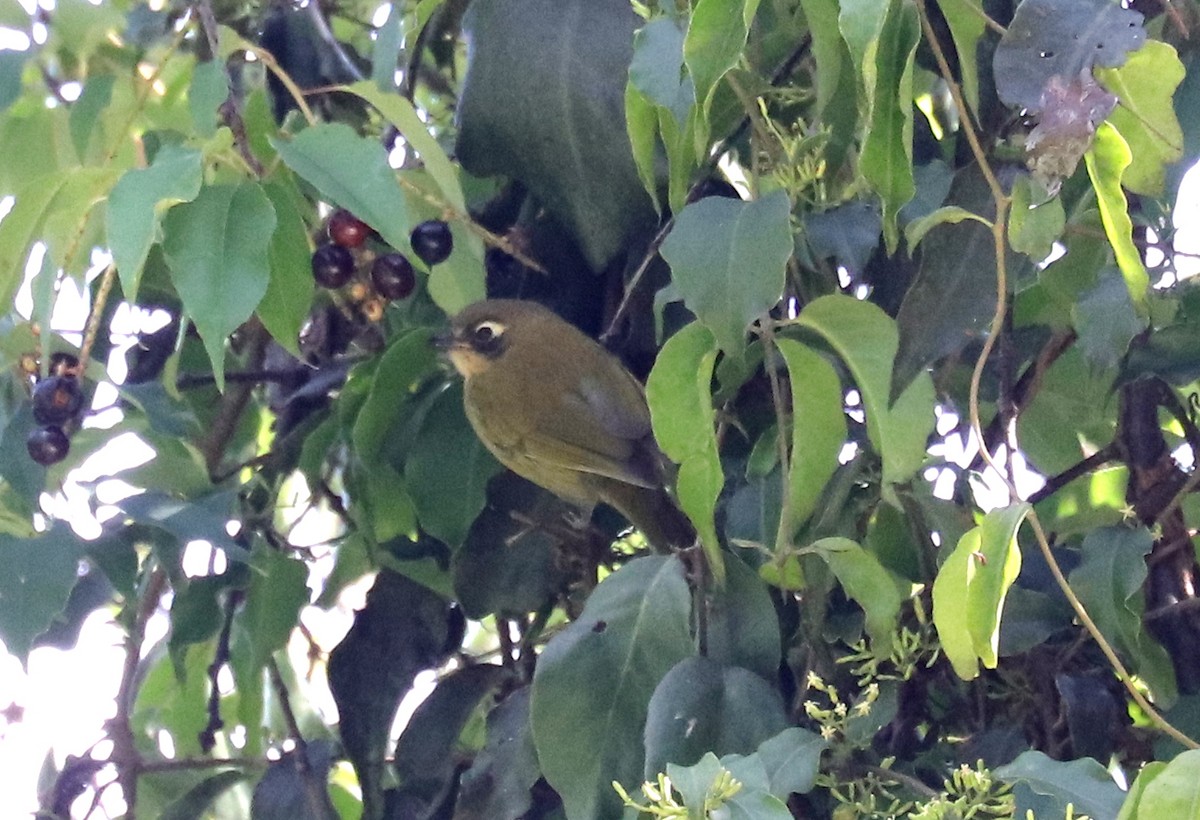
column 347, row 230
column 56, row 399
column 431, row 241
column 392, row 276
column 332, row 266
column 48, row 445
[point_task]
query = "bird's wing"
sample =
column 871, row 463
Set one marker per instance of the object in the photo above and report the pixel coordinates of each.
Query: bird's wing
column 602, row 429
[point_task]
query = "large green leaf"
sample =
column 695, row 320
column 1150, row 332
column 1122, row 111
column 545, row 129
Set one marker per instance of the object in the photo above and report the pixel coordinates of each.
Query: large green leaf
column 137, row 204
column 727, row 258
column 865, row 581
column 1109, row 583
column 1172, row 790
column 791, row 760
column 543, row 102
column 743, row 629
column 594, row 681
column 701, row 706
column 37, row 578
column 818, row 428
column 1083, row 783
column 1106, row 162
column 277, row 592
column 682, row 414
column 966, row 28
column 353, row 173
column 447, row 470
column 866, row 339
column 886, row 160
column 286, row 304
column 1145, row 116
column 218, row 250
column 751, row 801
column 969, row 591
column 716, row 36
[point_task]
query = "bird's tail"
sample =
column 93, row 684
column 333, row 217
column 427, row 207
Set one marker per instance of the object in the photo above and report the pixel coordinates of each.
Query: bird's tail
column 655, row 513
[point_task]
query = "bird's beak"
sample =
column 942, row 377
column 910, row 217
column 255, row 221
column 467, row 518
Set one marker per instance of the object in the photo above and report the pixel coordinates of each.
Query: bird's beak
column 443, row 342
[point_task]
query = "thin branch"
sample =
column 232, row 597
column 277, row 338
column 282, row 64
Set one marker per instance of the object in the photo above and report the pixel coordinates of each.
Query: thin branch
column 195, row 763
column 314, row 790
column 1057, row 482
column 326, row 34
column 188, row 381
column 233, row 403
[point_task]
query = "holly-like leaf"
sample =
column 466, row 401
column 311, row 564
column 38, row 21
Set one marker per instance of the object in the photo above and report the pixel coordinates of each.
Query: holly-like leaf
column 218, row 250
column 727, row 258
column 594, row 680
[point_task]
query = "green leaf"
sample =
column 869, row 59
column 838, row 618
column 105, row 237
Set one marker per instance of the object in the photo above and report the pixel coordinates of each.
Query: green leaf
column 828, row 47
column 403, row 366
column 886, row 160
column 499, row 780
column 866, row 339
column 208, row 91
column 1106, row 161
column 1145, row 85
column 69, row 230
column 701, row 706
column 969, row 591
column 743, row 629
column 791, row 759
column 401, row 113
column 85, row 112
column 865, row 581
column 1074, row 412
column 285, row 306
column 1172, row 790
column 1084, row 783
column 716, row 36
column 641, row 123
column 818, row 428
column 1106, row 321
column 543, row 101
column 426, row 758
column 860, row 22
column 389, row 37
column 37, row 578
column 218, row 250
column 946, row 215
column 198, row 800
column 447, row 470
column 728, row 258
column 657, row 68
column 682, row 415
column 12, row 66
column 966, row 22
column 1109, row 582
column 1033, row 228
column 353, row 173
column 137, row 204
column 1133, row 802
column 277, row 592
column 594, row 681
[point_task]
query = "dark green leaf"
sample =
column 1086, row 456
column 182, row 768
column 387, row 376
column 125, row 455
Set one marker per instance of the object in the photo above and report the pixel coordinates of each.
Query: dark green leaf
column 594, row 680
column 12, row 65
column 497, row 784
column 285, row 305
column 727, row 258
column 701, row 706
column 293, row 789
column 427, row 752
column 1172, row 790
column 209, row 89
column 743, row 629
column 560, row 127
column 447, row 470
column 1106, row 321
column 277, row 593
column 85, row 111
column 656, row 69
column 1084, row 783
column 199, row 799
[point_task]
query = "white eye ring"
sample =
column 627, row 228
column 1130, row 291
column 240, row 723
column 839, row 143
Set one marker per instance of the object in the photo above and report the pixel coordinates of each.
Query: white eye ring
column 486, row 332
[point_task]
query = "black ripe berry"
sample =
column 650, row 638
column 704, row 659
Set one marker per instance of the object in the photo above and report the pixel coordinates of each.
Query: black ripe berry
column 347, row 230
column 332, row 266
column 431, row 241
column 47, row 445
column 56, row 399
column 392, row 276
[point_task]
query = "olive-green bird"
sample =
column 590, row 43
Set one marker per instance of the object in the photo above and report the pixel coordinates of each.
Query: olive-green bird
column 558, row 409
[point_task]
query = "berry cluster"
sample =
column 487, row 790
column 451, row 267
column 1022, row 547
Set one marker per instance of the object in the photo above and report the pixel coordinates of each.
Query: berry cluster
column 57, row 400
column 390, row 276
